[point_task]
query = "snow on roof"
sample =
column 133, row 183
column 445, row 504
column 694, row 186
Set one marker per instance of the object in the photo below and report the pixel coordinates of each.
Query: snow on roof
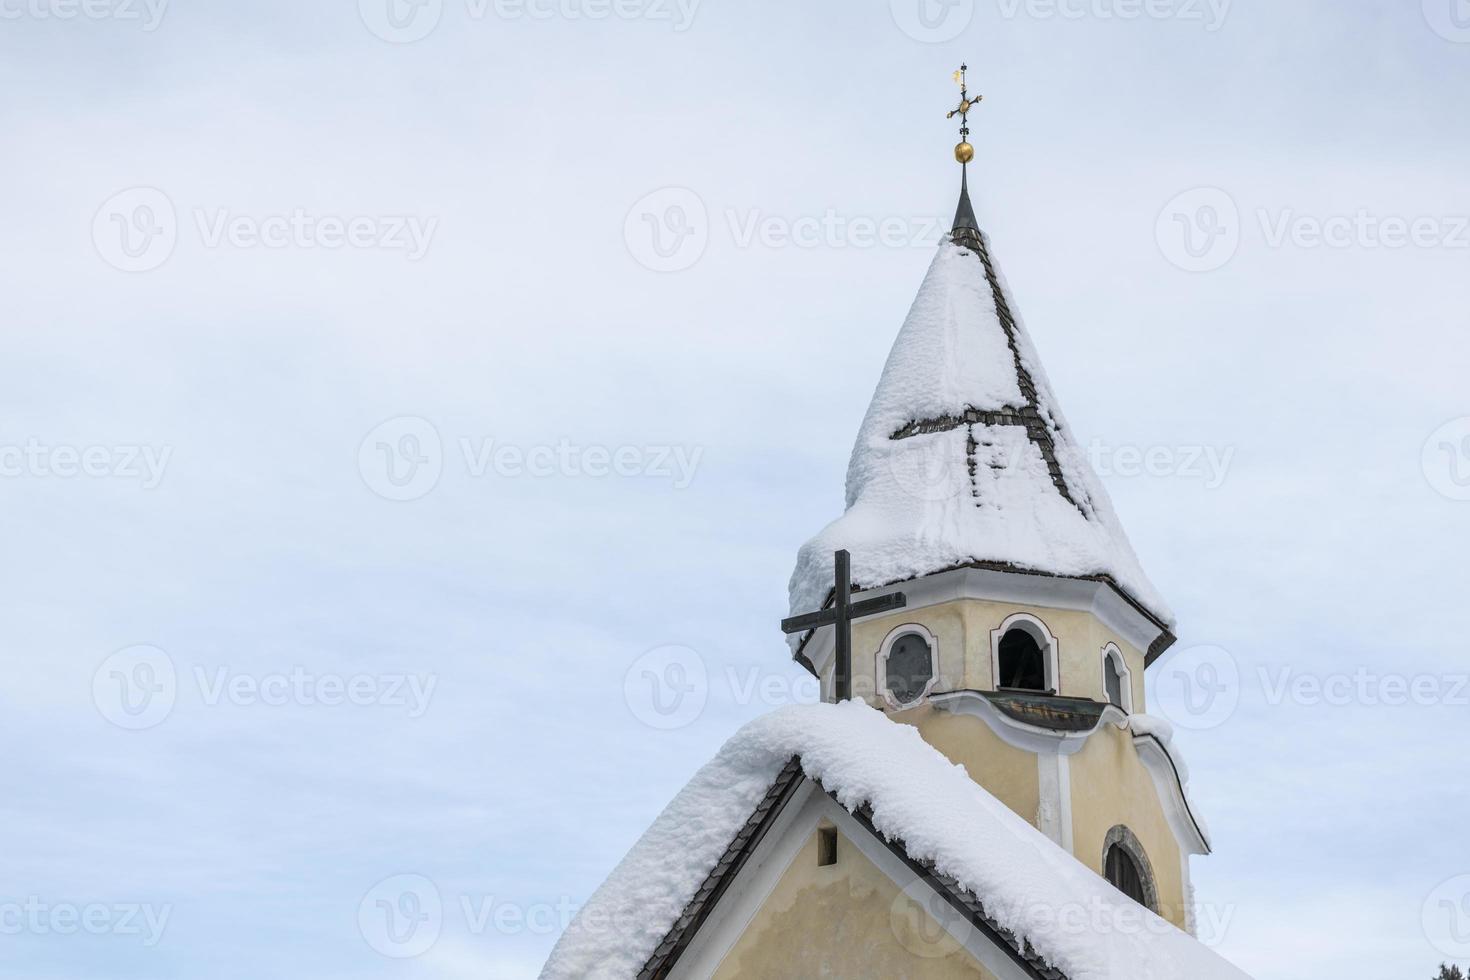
column 964, row 456
column 916, row 796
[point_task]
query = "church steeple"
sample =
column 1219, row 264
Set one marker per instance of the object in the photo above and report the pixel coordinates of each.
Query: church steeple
column 979, row 593
column 964, row 458
column 1019, row 623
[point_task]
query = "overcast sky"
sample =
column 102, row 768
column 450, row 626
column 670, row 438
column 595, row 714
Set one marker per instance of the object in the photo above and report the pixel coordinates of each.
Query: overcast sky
column 385, row 389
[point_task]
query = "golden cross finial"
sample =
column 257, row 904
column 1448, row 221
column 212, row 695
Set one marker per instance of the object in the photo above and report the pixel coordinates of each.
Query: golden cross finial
column 964, row 153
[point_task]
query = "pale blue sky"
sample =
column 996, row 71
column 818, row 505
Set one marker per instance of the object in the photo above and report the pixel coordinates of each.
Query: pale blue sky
column 261, row 550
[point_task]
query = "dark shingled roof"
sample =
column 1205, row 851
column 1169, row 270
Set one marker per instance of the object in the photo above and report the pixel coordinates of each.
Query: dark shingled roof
column 725, row 870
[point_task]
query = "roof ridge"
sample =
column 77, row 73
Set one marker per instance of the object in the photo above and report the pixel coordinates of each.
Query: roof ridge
column 707, row 897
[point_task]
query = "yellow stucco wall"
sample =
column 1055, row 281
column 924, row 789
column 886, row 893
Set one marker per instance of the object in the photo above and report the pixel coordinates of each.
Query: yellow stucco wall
column 1007, row 773
column 847, row 920
column 1110, row 786
column 962, row 630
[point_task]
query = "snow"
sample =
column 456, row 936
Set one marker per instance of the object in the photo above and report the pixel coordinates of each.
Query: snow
column 1164, row 732
column 913, row 505
column 1160, row 729
column 1025, row 881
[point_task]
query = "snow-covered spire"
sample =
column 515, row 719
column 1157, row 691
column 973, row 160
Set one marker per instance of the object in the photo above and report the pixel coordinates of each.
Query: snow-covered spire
column 964, row 457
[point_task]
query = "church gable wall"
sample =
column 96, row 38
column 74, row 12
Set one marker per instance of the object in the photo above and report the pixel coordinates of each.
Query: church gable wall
column 845, row 920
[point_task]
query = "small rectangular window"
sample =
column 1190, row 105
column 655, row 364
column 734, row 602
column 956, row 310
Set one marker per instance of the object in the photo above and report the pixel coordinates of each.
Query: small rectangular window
column 826, row 847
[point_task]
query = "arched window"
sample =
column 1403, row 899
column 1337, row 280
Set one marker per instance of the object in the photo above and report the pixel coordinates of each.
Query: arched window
column 1117, row 678
column 1127, row 867
column 906, row 665
column 1021, row 663
column 1024, row 654
column 1123, row 874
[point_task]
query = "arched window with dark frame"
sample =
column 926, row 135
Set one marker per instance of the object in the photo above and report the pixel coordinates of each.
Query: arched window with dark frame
column 1127, row 868
column 1117, row 679
column 1113, row 680
column 1123, row 874
column 908, row 667
column 1022, row 663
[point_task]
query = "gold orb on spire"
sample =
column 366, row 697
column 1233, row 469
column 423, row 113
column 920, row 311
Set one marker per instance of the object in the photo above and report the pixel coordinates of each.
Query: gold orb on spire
column 964, row 152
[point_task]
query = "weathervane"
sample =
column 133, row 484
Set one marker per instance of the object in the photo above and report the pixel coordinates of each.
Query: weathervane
column 964, row 152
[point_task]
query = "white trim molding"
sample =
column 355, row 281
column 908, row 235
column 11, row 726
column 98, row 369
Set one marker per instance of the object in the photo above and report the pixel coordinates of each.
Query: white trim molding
column 1052, row 748
column 1018, row 734
column 1083, row 595
column 1191, row 924
column 1054, row 787
column 1158, row 759
column 1038, row 631
column 1125, row 675
column 880, row 665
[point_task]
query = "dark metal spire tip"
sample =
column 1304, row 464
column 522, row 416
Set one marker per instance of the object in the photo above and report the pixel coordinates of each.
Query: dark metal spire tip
column 966, row 231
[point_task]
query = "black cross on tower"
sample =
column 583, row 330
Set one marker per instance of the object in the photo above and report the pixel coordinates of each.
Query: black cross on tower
column 841, row 614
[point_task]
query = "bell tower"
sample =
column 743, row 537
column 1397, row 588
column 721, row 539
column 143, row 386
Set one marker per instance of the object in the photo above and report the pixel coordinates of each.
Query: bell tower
column 1006, row 616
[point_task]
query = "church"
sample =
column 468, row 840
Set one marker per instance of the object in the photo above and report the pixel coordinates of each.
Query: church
column 981, row 792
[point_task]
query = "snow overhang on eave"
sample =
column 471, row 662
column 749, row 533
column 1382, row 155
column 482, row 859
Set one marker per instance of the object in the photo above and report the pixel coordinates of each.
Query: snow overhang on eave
column 783, row 798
